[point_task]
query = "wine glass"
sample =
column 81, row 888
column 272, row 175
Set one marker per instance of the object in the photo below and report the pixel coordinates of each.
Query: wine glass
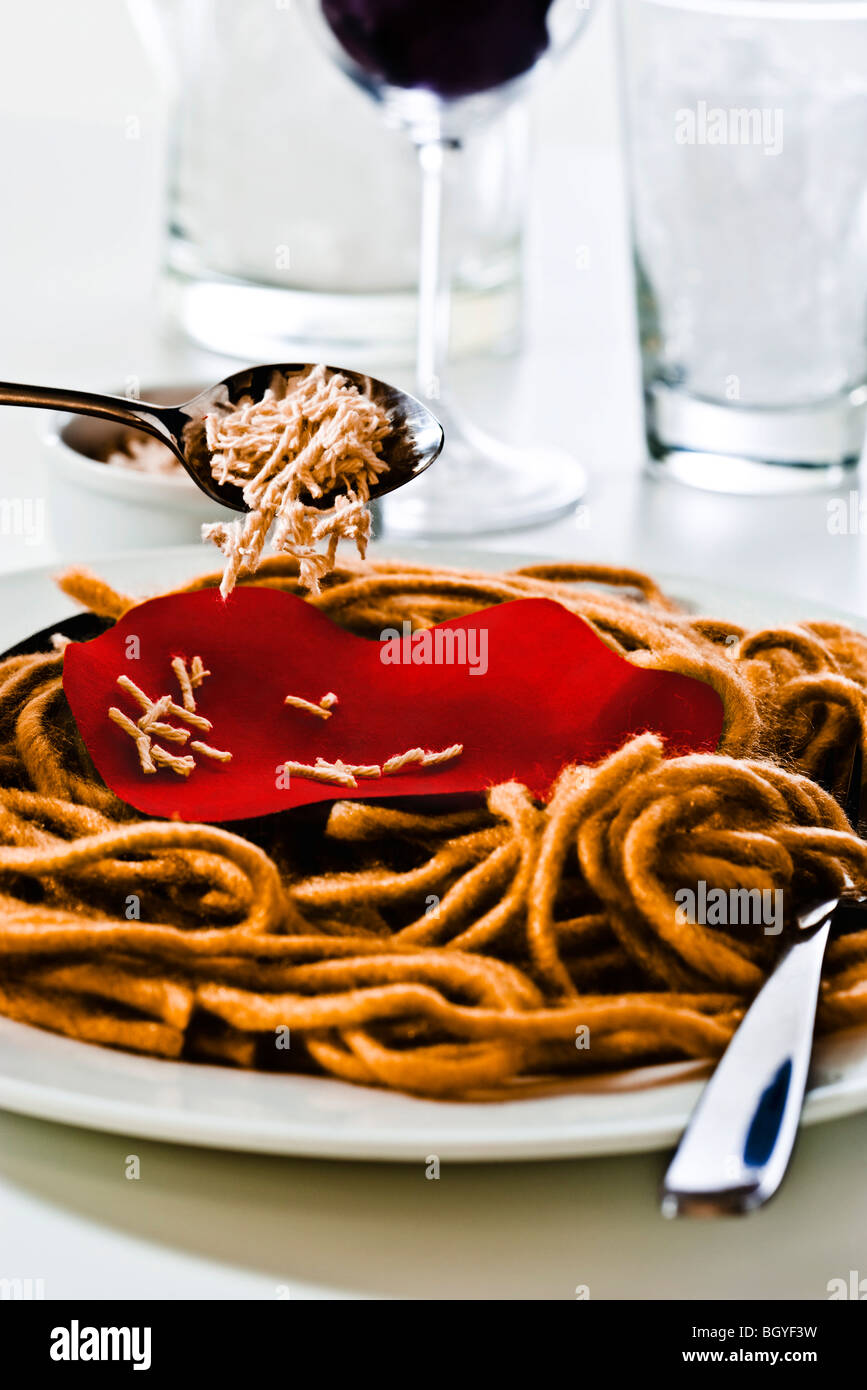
column 438, row 68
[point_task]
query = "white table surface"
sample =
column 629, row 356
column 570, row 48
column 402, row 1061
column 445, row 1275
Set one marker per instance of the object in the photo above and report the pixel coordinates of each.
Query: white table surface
column 77, row 306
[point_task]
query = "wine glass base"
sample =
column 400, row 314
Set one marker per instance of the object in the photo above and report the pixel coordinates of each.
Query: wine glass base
column 470, row 492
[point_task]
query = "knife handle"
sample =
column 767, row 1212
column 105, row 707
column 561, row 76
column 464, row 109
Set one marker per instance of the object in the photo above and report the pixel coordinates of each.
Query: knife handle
column 737, row 1144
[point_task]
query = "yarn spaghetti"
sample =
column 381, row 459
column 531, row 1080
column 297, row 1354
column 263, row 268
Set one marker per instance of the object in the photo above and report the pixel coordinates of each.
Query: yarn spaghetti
column 345, row 774
column 323, row 710
column 456, row 953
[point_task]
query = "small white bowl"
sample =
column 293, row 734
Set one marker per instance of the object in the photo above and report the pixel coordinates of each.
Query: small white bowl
column 95, row 506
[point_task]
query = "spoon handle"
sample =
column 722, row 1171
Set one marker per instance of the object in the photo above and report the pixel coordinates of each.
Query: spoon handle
column 737, row 1145
column 140, row 415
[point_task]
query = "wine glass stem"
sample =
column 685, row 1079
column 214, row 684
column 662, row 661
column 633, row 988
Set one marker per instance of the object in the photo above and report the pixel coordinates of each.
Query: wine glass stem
column 434, row 291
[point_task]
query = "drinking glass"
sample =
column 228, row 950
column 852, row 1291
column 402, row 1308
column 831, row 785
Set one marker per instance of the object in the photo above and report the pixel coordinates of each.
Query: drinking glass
column 747, row 135
column 438, row 70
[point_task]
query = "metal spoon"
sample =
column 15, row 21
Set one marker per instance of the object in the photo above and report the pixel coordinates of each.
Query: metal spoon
column 414, row 443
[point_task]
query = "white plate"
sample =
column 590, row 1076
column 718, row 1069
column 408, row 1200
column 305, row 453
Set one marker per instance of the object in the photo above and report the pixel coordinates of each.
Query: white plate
column 76, row 1083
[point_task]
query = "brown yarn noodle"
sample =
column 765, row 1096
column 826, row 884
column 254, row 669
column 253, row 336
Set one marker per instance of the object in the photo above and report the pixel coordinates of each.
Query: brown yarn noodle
column 455, row 951
column 313, row 437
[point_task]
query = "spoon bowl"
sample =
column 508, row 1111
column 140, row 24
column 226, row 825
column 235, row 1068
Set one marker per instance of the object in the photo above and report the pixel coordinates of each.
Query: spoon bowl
column 415, row 440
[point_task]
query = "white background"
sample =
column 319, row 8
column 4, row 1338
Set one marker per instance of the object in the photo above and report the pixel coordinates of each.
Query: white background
column 80, row 224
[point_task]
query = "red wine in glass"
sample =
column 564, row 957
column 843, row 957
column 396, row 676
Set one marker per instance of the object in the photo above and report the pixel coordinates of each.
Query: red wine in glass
column 453, row 48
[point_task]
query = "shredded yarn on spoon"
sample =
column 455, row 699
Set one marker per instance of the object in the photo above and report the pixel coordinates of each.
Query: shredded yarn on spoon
column 308, row 438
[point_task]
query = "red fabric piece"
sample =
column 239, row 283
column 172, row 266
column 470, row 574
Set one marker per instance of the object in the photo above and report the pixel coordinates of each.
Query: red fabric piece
column 552, row 693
